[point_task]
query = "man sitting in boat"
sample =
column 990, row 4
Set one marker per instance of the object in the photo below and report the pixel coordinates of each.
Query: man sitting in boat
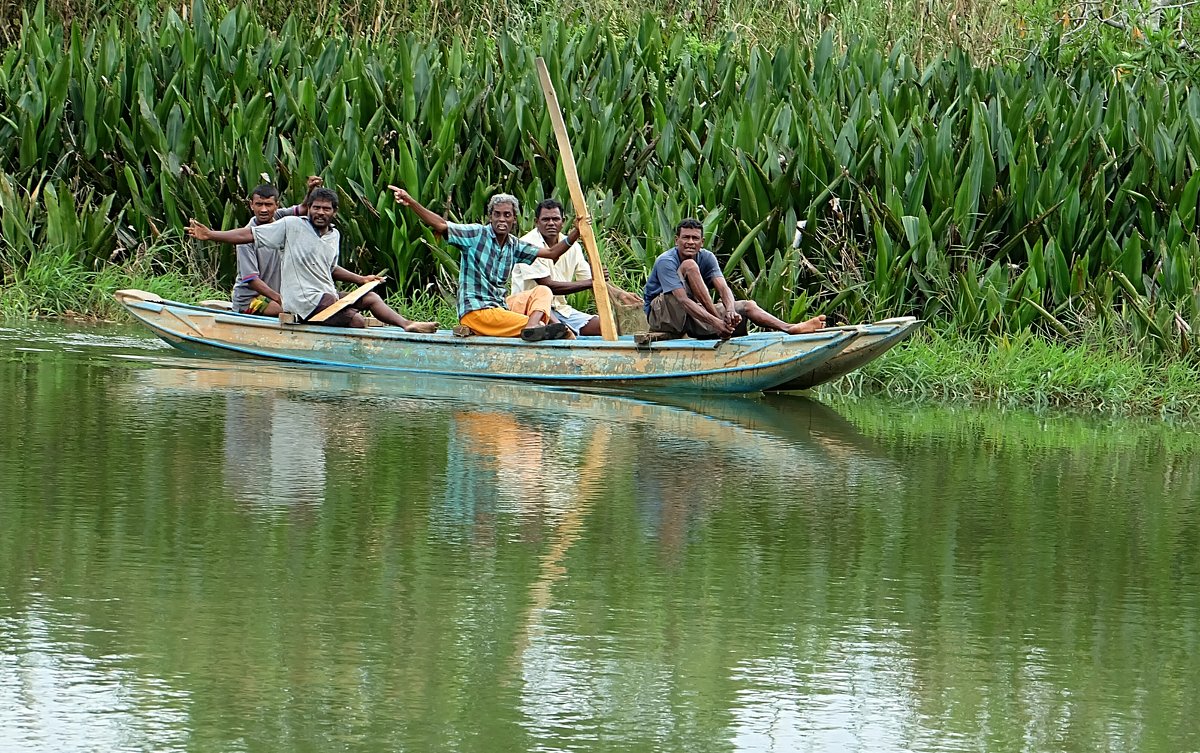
column 257, row 288
column 489, row 253
column 678, row 300
column 308, row 248
column 570, row 274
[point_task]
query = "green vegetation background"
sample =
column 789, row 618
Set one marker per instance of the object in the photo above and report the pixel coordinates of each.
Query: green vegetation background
column 1002, row 170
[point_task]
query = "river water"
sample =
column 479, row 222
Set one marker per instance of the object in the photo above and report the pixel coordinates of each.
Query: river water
column 217, row 556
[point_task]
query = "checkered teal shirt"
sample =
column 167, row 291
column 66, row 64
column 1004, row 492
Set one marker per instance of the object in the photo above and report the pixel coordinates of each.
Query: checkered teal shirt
column 484, row 265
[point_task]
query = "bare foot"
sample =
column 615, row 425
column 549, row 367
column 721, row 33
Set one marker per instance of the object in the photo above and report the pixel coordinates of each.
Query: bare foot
column 425, row 328
column 803, row 328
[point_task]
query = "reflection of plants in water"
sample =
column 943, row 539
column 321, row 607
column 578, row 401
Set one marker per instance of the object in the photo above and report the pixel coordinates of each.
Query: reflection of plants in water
column 1012, row 429
column 997, row 574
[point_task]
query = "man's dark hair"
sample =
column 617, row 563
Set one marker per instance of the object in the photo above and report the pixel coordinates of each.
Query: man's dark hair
column 545, row 204
column 323, row 194
column 265, row 191
column 691, row 223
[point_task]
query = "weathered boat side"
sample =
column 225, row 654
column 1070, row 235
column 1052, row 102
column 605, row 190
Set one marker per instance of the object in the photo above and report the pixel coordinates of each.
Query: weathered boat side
column 876, row 339
column 746, row 364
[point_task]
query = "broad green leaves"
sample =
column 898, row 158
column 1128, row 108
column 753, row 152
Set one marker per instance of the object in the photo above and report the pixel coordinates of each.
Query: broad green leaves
column 1000, row 197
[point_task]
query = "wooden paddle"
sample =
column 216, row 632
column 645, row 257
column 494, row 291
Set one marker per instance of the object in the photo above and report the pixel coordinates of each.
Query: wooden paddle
column 344, row 301
column 608, row 325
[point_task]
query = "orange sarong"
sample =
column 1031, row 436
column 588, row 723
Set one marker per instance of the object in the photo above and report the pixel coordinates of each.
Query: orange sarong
column 510, row 321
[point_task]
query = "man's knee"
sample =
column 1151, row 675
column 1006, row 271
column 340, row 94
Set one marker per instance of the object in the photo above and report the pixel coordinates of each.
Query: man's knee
column 540, row 299
column 367, row 301
column 689, row 267
column 592, row 327
column 745, row 307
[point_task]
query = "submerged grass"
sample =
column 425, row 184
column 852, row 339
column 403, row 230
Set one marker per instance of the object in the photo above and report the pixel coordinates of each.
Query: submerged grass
column 1003, row 429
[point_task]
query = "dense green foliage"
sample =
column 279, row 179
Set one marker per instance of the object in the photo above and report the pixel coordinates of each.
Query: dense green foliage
column 927, row 28
column 1050, row 193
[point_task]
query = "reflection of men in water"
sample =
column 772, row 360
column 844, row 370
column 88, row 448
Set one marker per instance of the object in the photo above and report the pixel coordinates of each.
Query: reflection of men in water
column 679, row 301
column 274, row 450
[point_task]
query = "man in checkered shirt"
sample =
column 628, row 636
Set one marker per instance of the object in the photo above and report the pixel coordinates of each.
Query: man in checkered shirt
column 488, row 254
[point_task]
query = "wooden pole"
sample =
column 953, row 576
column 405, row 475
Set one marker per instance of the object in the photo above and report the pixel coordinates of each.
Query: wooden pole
column 608, row 325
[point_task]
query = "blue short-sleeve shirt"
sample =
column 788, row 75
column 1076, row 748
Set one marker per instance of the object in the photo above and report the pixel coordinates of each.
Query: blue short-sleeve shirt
column 664, row 277
column 484, row 265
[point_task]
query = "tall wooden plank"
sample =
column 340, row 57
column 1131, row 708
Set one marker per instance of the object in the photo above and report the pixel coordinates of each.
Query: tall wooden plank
column 608, row 325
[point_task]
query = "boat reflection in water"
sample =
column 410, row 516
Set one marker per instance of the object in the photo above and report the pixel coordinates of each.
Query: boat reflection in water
column 515, row 449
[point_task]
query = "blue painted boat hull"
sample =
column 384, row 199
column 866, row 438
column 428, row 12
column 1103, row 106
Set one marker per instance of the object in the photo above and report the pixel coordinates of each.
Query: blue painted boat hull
column 753, row 363
column 874, row 340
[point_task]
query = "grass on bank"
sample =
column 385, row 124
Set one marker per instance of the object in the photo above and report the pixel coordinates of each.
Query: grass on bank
column 56, row 284
column 1028, row 370
column 1100, row 372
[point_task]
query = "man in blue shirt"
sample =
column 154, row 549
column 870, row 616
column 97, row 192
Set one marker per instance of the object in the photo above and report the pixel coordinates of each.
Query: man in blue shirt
column 679, row 298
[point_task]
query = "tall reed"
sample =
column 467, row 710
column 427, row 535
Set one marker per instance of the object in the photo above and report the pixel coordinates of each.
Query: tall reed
column 1046, row 193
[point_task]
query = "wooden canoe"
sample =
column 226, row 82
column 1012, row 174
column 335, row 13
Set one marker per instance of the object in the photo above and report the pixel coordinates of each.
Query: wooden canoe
column 873, row 341
column 754, row 363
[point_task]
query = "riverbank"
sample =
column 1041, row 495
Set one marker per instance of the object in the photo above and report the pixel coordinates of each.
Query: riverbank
column 1030, row 371
column 1096, row 373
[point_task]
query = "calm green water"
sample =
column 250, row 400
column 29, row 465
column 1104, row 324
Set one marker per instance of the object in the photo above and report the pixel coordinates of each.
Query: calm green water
column 205, row 556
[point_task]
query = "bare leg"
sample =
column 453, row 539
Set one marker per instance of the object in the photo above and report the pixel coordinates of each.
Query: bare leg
column 536, row 319
column 690, row 272
column 592, row 327
column 384, row 313
column 759, row 315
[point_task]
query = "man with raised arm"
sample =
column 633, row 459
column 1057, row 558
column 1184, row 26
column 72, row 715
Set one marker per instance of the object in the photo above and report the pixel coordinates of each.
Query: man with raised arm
column 570, row 274
column 257, row 288
column 308, row 248
column 679, row 298
column 488, row 254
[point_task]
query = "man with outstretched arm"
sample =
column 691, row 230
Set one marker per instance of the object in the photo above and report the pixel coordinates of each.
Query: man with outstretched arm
column 489, row 253
column 570, row 274
column 678, row 296
column 308, row 248
column 257, row 288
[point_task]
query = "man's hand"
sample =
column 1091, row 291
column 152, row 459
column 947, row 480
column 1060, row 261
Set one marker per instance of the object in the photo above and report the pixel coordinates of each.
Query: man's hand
column 401, row 196
column 372, row 278
column 198, row 231
column 575, row 225
column 625, row 297
column 732, row 320
column 313, row 183
column 723, row 327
